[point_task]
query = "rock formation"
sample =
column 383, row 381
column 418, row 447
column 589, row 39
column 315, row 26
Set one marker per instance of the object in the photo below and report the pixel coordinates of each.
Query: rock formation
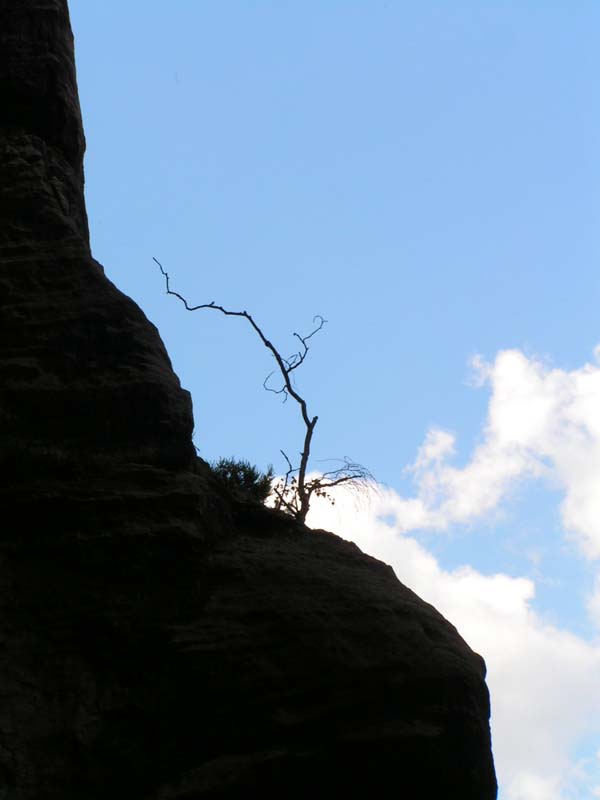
column 159, row 640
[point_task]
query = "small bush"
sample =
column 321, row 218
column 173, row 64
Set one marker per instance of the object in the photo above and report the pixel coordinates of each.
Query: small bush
column 243, row 480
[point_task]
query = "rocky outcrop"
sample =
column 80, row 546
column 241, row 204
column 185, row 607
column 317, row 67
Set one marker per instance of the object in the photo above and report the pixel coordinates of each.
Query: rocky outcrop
column 159, row 640
column 83, row 373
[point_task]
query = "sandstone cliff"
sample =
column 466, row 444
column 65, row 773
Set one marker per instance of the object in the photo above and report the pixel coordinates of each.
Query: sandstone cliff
column 159, row 641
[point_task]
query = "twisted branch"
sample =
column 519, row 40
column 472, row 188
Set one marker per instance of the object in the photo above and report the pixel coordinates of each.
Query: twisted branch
column 293, row 494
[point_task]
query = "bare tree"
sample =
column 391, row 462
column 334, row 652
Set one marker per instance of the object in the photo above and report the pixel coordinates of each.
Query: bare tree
column 295, row 490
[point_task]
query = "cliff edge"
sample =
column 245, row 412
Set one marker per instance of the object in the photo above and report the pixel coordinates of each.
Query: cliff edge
column 160, row 642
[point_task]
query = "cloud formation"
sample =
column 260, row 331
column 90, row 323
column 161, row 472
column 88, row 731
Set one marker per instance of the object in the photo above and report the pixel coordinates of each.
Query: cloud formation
column 542, row 423
column 543, row 679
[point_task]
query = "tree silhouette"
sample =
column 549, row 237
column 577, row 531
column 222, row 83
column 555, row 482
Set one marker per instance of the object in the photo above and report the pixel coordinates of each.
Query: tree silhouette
column 294, row 491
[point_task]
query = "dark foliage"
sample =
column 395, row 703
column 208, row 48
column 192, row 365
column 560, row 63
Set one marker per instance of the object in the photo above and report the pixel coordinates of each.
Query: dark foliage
column 243, row 479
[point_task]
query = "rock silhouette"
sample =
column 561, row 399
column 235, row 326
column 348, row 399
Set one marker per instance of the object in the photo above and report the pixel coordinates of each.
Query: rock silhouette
column 161, row 641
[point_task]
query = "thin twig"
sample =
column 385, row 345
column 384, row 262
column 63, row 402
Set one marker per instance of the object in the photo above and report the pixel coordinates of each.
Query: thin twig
column 293, row 494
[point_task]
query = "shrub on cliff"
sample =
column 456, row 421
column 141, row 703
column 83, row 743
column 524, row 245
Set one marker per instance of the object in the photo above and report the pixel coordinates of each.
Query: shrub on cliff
column 242, row 479
column 293, row 492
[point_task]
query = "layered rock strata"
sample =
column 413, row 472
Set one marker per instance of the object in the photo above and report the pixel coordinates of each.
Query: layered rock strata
column 161, row 641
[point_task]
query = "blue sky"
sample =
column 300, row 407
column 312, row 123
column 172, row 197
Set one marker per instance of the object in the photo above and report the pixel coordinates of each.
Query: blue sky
column 426, row 177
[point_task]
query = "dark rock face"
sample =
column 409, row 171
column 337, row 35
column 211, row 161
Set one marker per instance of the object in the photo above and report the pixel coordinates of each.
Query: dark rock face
column 160, row 642
column 82, row 371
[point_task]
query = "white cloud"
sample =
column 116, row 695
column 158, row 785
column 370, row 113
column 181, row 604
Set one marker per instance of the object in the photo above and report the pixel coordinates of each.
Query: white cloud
column 438, row 445
column 593, row 607
column 543, row 680
column 525, row 787
column 541, row 423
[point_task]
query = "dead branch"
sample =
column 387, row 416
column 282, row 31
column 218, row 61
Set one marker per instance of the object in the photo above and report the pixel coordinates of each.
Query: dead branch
column 293, row 493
